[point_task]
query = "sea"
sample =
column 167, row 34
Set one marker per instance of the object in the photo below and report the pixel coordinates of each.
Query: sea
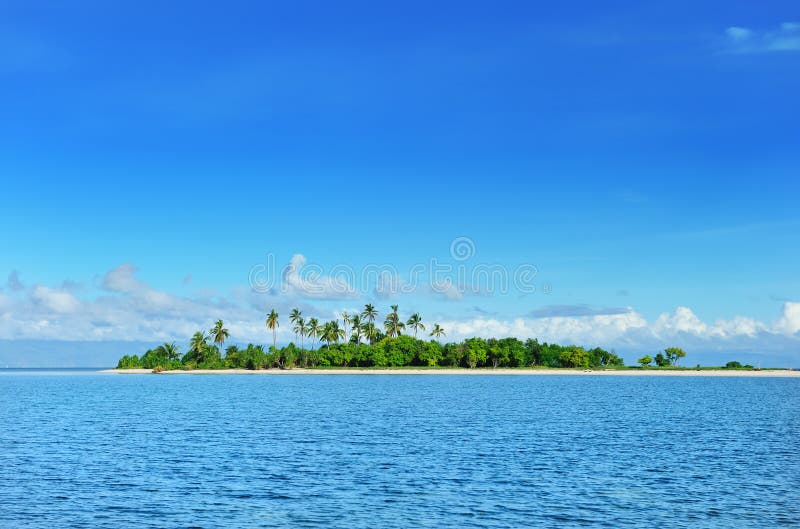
column 84, row 449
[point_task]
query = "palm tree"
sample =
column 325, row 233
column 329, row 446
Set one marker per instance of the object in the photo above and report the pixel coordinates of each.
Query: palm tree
column 326, row 334
column 272, row 323
column 171, row 351
column 168, row 351
column 369, row 313
column 199, row 346
column 302, row 328
column 393, row 325
column 197, row 342
column 331, row 332
column 294, row 317
column 299, row 325
column 313, row 330
column 437, row 331
column 324, row 331
column 355, row 321
column 415, row 322
column 219, row 333
column 370, row 332
column 345, row 323
column 336, row 332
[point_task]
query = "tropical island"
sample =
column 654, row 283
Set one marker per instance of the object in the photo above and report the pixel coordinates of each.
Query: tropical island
column 359, row 343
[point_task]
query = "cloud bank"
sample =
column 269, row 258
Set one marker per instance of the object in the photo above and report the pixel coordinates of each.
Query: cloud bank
column 127, row 309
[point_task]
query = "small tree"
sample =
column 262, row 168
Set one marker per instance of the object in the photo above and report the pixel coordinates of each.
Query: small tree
column 674, row 354
column 661, row 360
column 646, row 360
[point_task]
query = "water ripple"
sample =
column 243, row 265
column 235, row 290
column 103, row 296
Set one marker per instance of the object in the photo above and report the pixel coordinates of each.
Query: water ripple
column 399, row 451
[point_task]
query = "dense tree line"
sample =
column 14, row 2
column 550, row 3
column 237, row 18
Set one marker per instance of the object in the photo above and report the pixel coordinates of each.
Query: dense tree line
column 388, row 352
column 358, row 342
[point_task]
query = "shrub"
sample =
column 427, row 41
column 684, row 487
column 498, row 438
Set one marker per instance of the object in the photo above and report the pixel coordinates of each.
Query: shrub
column 431, row 354
column 129, row 362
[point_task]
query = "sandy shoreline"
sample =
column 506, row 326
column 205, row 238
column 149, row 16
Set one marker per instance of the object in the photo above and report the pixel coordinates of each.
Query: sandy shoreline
column 474, row 372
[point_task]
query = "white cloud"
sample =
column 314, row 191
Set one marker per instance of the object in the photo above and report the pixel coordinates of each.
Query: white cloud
column 631, row 330
column 745, row 40
column 306, row 281
column 789, row 323
column 129, row 309
column 562, row 329
column 122, row 279
column 683, row 320
column 448, row 290
column 58, row 301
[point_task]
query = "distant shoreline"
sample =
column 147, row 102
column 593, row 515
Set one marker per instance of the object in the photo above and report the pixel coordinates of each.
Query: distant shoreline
column 688, row 372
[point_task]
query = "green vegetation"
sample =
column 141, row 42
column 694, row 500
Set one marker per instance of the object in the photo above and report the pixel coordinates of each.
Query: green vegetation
column 668, row 358
column 737, row 365
column 355, row 341
column 673, row 354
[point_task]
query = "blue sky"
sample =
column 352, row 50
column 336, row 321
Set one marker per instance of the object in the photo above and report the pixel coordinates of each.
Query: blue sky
column 642, row 157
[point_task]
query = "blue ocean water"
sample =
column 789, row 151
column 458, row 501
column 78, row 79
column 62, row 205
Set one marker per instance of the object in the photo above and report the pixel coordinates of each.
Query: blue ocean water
column 92, row 450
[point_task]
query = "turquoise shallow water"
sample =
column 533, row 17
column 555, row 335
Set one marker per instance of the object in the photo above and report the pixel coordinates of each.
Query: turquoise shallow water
column 90, row 450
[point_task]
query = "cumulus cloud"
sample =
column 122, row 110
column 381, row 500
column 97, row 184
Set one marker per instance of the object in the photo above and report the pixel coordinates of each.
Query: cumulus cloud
column 746, row 40
column 789, row 323
column 56, row 300
column 122, row 279
column 596, row 329
column 306, row 281
column 682, row 320
column 126, row 308
column 630, row 330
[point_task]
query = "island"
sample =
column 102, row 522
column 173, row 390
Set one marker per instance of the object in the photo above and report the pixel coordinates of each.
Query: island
column 357, row 344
